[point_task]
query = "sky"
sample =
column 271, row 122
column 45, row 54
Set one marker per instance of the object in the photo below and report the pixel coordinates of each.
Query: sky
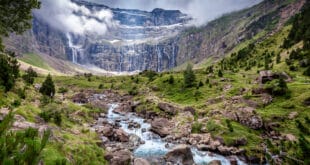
column 60, row 13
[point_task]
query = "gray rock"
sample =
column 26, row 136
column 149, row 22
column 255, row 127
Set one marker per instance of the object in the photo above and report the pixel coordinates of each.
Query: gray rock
column 181, row 154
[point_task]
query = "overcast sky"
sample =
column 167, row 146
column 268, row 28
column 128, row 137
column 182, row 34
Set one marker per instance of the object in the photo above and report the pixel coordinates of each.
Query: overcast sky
column 60, row 13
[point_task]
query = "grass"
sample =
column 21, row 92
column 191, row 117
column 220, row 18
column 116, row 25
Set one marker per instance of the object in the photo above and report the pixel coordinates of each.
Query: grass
column 35, row 60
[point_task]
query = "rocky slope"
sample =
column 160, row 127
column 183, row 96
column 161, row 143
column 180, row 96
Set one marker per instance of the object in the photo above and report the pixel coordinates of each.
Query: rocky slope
column 155, row 40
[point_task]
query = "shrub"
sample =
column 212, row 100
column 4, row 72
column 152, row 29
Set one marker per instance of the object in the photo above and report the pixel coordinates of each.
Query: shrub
column 101, row 86
column 48, row 87
column 277, row 87
column 189, row 77
column 62, row 90
column 229, row 126
column 29, row 76
column 171, row 79
column 196, row 127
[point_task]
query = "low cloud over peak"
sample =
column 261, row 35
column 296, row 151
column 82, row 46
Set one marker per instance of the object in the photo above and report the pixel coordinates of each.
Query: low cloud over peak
column 201, row 10
column 62, row 15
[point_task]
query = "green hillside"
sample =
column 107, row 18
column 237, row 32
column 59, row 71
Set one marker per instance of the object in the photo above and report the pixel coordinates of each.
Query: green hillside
column 254, row 100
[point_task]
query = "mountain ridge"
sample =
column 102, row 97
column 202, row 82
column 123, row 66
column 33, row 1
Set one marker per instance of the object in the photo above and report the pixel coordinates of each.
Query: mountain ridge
column 129, row 53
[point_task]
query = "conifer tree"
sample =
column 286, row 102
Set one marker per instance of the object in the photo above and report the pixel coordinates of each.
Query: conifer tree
column 189, row 76
column 48, row 87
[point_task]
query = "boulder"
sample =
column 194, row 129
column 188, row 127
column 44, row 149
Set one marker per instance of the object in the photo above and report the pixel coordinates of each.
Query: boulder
column 107, row 131
column 290, row 137
column 293, row 115
column 140, row 161
column 240, row 142
column 181, row 154
column 190, row 109
column 215, row 162
column 161, row 127
column 121, row 135
column 248, row 117
column 233, row 161
column 197, row 139
column 80, row 98
column 122, row 157
column 167, row 108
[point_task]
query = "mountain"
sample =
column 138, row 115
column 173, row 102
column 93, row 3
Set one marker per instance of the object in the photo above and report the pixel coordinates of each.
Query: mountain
column 158, row 40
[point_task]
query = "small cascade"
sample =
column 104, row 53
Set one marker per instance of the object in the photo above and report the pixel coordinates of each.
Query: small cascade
column 76, row 50
column 159, row 59
column 172, row 63
column 121, row 59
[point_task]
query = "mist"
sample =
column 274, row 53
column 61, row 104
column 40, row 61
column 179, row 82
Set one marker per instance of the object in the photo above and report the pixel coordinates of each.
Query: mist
column 202, row 11
column 61, row 14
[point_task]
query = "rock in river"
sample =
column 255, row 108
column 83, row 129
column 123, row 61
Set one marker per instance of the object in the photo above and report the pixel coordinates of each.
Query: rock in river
column 181, row 154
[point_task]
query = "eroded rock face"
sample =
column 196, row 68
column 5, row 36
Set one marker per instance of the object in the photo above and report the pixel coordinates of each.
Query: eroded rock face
column 246, row 116
column 181, row 154
column 161, row 126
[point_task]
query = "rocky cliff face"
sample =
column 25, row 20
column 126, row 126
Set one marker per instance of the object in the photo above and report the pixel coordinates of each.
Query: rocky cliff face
column 157, row 40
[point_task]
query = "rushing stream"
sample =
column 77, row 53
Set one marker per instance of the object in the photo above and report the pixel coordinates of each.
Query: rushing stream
column 154, row 146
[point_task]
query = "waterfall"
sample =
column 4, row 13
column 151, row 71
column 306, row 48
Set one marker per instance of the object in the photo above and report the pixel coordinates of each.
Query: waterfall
column 76, row 50
column 159, row 58
column 121, row 59
column 173, row 57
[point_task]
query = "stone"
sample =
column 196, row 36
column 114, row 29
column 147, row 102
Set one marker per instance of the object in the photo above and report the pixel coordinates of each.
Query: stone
column 80, row 98
column 290, row 137
column 140, row 161
column 233, row 161
column 121, row 135
column 293, row 115
column 180, row 154
column 122, row 157
column 197, row 139
column 215, row 162
column 190, row 109
column 161, row 127
column 167, row 108
column 107, row 130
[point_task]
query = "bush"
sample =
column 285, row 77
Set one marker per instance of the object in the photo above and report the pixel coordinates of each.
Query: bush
column 171, row 79
column 29, row 76
column 229, row 126
column 9, row 71
column 277, row 87
column 62, row 90
column 101, row 86
column 48, row 87
column 57, row 118
column 21, row 93
column 196, row 127
column 189, row 77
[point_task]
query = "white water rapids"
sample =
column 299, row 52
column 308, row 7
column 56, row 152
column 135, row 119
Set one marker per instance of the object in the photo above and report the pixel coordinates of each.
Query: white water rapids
column 154, row 146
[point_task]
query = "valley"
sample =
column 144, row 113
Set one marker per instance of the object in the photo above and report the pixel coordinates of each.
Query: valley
column 155, row 90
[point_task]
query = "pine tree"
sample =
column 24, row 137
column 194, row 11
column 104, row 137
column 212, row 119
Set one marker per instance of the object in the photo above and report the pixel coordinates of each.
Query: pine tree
column 220, row 73
column 171, row 79
column 9, row 71
column 189, row 77
column 48, row 87
column 20, row 147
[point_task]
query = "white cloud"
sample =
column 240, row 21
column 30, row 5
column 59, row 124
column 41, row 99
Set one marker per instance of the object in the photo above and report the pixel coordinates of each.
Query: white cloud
column 62, row 14
column 202, row 10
